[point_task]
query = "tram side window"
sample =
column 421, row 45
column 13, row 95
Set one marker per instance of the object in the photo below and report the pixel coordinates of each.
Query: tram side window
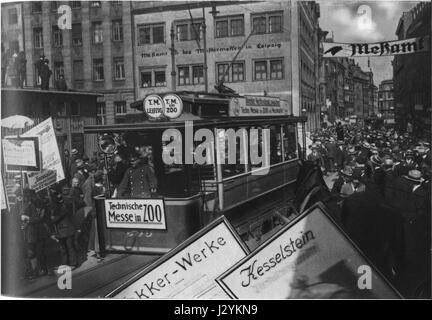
column 255, row 142
column 236, row 145
column 289, row 142
column 275, row 144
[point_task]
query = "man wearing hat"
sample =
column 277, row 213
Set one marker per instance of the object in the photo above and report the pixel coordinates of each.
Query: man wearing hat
column 344, row 177
column 406, row 164
column 332, row 153
column 92, row 187
column 139, row 181
column 81, row 174
column 72, row 166
column 409, row 198
column 62, row 218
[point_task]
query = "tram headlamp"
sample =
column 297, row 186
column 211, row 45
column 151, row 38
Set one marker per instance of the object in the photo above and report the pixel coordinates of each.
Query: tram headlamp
column 107, row 144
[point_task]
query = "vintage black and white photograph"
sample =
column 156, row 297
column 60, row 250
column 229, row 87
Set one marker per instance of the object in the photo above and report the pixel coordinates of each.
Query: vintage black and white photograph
column 216, row 150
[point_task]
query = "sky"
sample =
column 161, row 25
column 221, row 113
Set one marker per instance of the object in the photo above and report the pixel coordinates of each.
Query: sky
column 341, row 18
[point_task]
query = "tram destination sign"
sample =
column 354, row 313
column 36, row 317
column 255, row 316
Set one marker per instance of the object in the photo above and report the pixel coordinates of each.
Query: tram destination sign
column 189, row 271
column 248, row 106
column 135, row 214
column 310, row 258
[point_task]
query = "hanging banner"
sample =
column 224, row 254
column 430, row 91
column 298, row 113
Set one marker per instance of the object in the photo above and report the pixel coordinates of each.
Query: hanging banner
column 51, row 160
column 310, row 258
column 189, row 271
column 21, row 154
column 377, row 49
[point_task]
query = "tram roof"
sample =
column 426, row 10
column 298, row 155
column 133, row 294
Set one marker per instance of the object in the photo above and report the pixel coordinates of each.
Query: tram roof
column 197, row 122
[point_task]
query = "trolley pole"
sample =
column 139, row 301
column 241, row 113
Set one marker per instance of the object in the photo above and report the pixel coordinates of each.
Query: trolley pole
column 205, row 51
column 173, row 68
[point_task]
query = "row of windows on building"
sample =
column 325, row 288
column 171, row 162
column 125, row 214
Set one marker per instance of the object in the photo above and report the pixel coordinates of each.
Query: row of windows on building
column 37, row 5
column 97, row 34
column 155, row 33
column 120, row 111
column 268, row 69
column 228, row 26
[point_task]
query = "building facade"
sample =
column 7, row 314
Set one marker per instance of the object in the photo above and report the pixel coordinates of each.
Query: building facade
column 274, row 44
column 12, row 36
column 412, row 73
column 386, row 100
column 93, row 55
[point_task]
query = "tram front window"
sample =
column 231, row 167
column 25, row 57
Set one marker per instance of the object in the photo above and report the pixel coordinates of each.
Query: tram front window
column 171, row 180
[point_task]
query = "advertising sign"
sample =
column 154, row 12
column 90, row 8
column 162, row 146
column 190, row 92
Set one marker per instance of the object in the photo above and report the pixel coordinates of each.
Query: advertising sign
column 311, row 258
column 21, row 154
column 256, row 106
column 135, row 214
column 377, row 49
column 189, row 271
column 51, row 160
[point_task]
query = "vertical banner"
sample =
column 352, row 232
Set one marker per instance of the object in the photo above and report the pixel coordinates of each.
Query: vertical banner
column 189, row 271
column 52, row 168
column 3, row 196
column 311, row 258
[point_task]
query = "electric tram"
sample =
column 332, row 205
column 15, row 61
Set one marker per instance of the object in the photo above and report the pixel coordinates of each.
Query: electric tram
column 194, row 194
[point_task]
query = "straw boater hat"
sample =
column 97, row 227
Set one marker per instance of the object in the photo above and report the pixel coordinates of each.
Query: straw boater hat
column 360, row 162
column 74, row 151
column 388, row 162
column 414, row 175
column 366, row 145
column 79, row 163
column 376, row 160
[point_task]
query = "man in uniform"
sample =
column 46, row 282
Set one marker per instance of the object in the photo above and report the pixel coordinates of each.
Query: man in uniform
column 139, row 181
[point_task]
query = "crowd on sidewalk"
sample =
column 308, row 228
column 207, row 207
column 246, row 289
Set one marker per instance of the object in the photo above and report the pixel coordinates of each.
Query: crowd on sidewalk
column 383, row 181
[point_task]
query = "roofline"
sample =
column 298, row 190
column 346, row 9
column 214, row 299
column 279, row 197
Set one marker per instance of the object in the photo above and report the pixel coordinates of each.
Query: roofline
column 189, row 5
column 215, row 121
column 86, row 93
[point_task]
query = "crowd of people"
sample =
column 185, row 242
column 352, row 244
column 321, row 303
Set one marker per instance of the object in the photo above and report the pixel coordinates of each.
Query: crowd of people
column 14, row 70
column 383, row 178
column 387, row 166
column 359, row 154
column 65, row 214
